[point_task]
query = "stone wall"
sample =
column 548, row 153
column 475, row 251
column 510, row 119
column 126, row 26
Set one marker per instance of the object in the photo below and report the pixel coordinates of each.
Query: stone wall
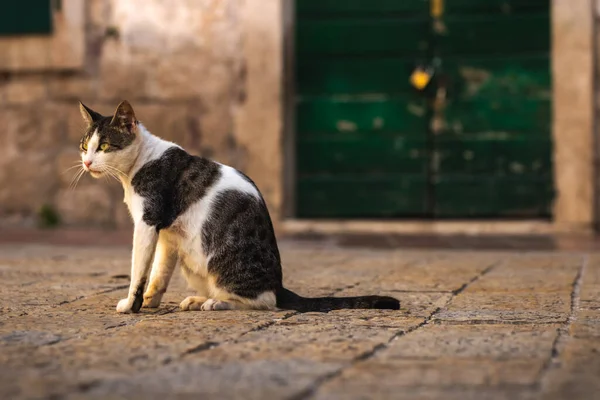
column 205, row 74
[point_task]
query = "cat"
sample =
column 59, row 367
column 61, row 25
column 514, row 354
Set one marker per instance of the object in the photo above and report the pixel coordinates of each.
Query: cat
column 206, row 217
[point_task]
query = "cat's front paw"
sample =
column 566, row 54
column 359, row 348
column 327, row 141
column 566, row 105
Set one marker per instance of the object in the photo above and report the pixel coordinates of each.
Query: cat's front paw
column 125, row 306
column 152, row 300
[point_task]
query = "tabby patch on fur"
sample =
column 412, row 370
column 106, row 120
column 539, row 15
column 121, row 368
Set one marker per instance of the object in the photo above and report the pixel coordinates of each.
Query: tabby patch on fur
column 206, row 217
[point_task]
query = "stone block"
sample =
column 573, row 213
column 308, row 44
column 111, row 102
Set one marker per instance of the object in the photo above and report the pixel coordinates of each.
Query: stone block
column 577, row 376
column 573, row 117
column 253, row 380
column 90, row 204
column 377, row 376
column 73, row 88
column 179, row 77
column 26, row 181
column 258, row 120
column 422, row 276
column 32, row 136
column 504, row 342
column 372, row 387
column 524, row 307
column 169, row 122
column 523, row 275
column 24, row 90
column 34, row 128
column 587, row 324
column 122, row 76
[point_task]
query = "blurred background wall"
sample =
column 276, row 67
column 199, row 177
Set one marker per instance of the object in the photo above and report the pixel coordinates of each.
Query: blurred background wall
column 319, row 101
column 202, row 73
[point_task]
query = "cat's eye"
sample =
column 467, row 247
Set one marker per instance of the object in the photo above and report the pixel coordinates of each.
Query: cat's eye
column 84, row 147
column 104, row 146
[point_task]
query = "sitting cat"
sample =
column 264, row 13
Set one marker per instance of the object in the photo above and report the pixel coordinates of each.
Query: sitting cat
column 207, row 217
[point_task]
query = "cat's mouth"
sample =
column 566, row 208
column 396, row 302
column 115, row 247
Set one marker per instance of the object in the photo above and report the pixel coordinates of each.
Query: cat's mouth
column 95, row 173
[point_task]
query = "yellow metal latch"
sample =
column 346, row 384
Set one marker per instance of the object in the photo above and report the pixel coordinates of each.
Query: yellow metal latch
column 421, row 77
column 437, row 8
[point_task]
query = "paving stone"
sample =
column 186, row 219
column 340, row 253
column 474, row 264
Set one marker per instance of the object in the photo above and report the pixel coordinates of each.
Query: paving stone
column 378, row 390
column 441, row 273
column 323, row 337
column 421, row 378
column 590, row 287
column 472, row 325
column 576, row 375
column 261, row 379
column 539, row 274
column 530, row 307
column 467, row 341
column 587, row 324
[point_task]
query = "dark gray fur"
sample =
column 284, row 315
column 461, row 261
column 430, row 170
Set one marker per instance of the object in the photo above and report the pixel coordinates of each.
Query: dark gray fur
column 240, row 237
column 139, row 297
column 238, row 234
column 110, row 131
column 171, row 184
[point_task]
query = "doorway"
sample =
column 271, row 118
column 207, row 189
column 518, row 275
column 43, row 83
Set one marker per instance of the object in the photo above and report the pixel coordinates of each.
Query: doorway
column 423, row 108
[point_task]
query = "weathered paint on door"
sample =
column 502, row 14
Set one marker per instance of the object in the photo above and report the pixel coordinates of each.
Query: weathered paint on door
column 474, row 143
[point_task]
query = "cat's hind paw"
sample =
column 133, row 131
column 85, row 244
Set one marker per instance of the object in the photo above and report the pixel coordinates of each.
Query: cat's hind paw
column 192, row 303
column 215, row 305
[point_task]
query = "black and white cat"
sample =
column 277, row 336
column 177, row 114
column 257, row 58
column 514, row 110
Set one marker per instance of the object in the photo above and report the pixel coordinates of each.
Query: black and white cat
column 207, row 217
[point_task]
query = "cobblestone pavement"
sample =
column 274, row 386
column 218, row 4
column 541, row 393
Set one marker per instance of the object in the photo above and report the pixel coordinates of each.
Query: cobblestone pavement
column 473, row 325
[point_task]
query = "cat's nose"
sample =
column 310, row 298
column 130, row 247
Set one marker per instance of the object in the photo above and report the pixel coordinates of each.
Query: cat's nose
column 87, row 163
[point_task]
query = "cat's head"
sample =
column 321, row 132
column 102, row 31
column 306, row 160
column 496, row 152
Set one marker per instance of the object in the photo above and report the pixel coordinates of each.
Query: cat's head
column 110, row 144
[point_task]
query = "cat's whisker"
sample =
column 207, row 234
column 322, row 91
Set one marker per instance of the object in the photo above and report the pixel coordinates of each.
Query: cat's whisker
column 76, row 182
column 81, row 174
column 76, row 179
column 110, row 173
column 116, row 173
column 74, row 166
column 117, row 170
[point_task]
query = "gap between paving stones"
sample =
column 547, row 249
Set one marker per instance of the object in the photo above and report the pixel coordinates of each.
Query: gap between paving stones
column 114, row 289
column 208, row 345
column 120, row 325
column 563, row 332
column 260, row 327
column 311, row 391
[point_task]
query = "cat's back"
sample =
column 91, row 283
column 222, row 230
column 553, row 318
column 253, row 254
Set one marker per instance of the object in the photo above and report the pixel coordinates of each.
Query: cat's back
column 178, row 186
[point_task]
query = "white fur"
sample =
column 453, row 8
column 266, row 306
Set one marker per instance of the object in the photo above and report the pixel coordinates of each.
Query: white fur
column 187, row 228
column 182, row 241
column 92, row 146
column 185, row 235
column 165, row 260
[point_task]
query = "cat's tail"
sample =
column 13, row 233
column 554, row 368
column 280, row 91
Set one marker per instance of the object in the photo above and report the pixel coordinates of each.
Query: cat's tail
column 288, row 300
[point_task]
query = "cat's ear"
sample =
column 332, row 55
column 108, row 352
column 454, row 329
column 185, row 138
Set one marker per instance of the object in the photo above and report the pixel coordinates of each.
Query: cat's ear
column 125, row 117
column 89, row 116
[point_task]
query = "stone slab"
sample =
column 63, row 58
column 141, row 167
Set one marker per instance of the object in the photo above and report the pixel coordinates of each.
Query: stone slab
column 471, row 326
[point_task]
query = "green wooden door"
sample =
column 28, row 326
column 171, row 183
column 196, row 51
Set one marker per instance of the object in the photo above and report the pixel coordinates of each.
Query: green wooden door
column 474, row 143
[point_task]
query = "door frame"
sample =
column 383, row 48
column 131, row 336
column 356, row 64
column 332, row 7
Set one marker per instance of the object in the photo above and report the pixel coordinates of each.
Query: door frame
column 574, row 134
column 289, row 110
